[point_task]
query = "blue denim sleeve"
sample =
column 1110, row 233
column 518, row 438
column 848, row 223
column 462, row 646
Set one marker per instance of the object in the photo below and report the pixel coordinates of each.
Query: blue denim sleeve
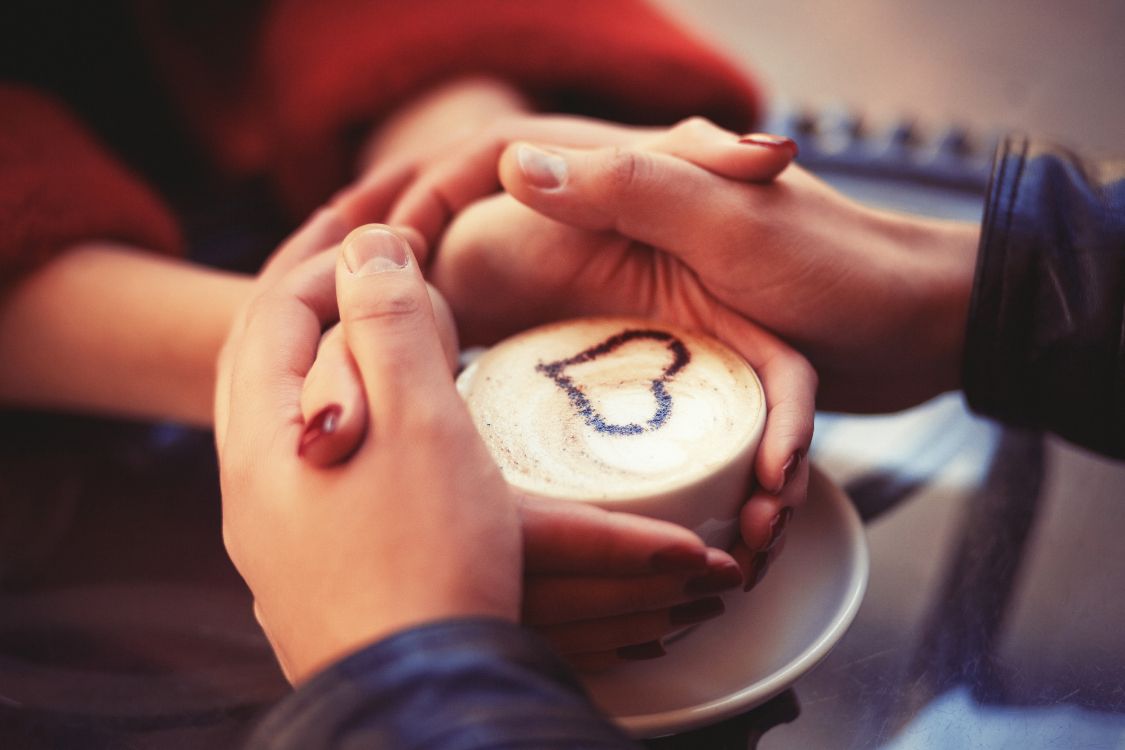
column 1045, row 345
column 451, row 685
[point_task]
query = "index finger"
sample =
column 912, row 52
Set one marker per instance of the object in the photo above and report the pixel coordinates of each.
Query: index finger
column 278, row 346
column 441, row 191
column 324, row 229
column 654, row 198
column 754, row 157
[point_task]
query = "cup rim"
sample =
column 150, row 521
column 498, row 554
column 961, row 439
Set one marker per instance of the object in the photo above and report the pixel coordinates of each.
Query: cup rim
column 749, row 443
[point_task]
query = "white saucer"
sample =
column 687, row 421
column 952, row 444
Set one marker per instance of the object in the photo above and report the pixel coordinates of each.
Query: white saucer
column 765, row 640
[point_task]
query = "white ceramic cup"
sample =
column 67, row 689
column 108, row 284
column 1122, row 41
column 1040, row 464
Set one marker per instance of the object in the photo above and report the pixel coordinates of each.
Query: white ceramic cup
column 628, row 414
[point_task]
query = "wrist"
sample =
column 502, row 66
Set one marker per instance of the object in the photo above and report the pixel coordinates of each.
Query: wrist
column 307, row 652
column 944, row 256
column 109, row 329
column 191, row 397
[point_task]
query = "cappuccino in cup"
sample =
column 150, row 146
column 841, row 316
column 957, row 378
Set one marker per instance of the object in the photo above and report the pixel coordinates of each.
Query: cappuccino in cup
column 628, row 414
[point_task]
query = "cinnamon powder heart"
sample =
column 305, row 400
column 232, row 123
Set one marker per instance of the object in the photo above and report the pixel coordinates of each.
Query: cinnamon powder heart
column 581, row 403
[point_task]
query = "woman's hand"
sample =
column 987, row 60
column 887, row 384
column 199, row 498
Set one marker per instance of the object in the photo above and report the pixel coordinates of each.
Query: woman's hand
column 339, row 557
column 333, row 402
column 604, row 587
column 875, row 300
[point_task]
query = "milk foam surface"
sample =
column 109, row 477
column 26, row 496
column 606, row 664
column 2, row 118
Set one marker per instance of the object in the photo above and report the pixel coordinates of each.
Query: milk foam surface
column 609, row 408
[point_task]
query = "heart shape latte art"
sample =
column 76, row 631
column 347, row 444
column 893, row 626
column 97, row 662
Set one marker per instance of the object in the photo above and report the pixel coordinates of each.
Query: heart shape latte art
column 557, row 371
column 609, row 409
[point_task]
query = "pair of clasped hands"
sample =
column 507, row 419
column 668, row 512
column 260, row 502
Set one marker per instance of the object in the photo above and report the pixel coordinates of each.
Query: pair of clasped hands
column 358, row 499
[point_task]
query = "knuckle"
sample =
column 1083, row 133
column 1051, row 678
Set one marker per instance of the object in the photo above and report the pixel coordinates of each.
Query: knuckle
column 643, row 598
column 626, row 169
column 259, row 307
column 806, row 372
column 503, row 128
column 392, row 307
column 812, row 376
column 433, row 423
column 797, row 367
column 694, row 126
column 696, row 130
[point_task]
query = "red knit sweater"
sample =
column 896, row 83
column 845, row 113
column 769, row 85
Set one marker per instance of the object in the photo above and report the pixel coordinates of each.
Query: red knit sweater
column 281, row 91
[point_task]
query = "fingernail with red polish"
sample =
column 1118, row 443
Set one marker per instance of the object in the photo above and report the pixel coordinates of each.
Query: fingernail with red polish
column 789, row 469
column 326, row 421
column 697, row 611
column 758, row 568
column 639, row 651
column 542, row 169
column 714, row 581
column 677, row 559
column 768, row 140
column 777, row 526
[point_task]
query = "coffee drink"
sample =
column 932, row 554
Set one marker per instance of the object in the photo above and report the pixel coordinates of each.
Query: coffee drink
column 626, row 413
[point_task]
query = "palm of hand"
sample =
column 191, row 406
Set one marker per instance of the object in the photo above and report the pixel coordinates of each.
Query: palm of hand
column 504, row 268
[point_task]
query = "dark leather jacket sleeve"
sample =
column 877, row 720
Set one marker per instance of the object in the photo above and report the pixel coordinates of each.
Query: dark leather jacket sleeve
column 1045, row 346
column 452, row 685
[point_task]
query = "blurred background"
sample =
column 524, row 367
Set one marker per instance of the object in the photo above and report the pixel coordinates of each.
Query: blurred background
column 995, row 608
column 1051, row 68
